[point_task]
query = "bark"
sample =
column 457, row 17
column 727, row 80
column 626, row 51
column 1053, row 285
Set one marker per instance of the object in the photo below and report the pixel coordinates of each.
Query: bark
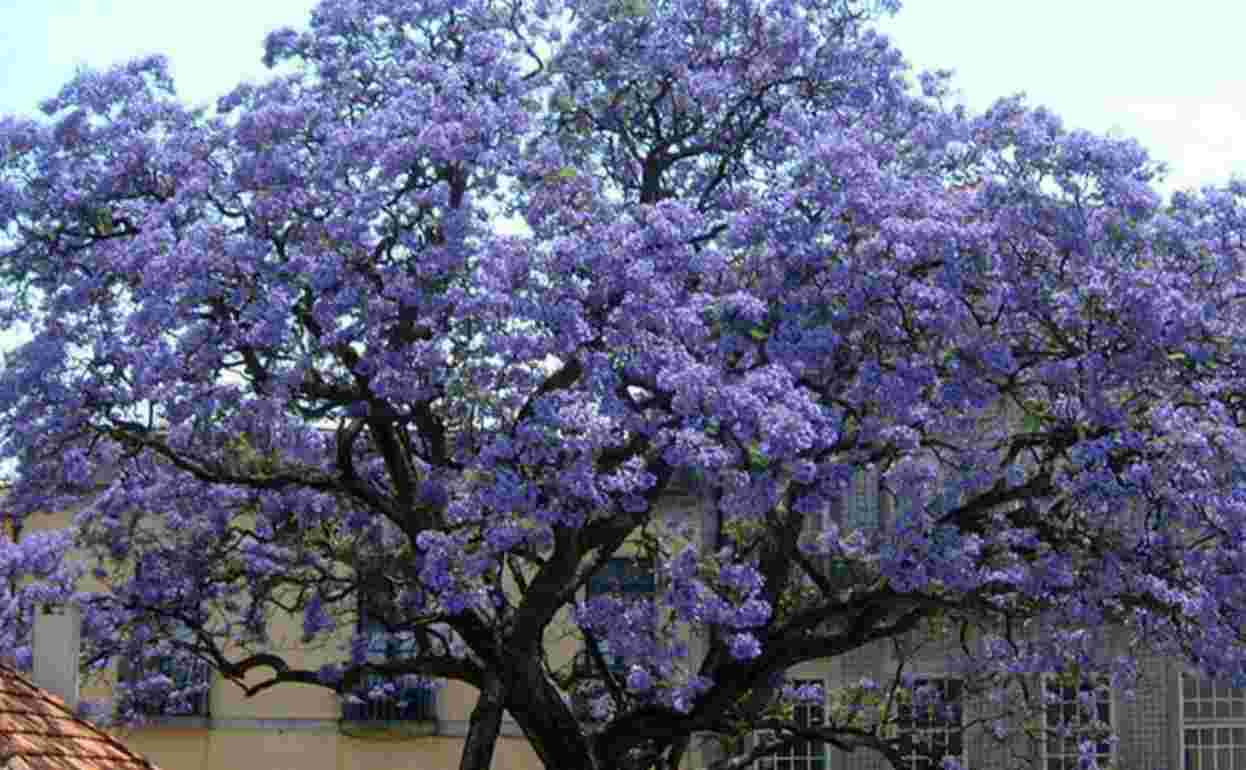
column 515, row 677
column 551, row 728
column 486, row 724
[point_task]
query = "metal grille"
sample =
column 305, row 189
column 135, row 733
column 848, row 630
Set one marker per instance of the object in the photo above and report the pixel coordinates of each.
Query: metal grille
column 415, row 704
column 930, row 732
column 185, row 673
column 798, row 755
column 1213, row 725
column 1081, row 712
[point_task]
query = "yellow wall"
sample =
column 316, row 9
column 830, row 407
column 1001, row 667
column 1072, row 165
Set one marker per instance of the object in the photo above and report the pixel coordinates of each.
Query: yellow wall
column 296, row 726
column 309, row 749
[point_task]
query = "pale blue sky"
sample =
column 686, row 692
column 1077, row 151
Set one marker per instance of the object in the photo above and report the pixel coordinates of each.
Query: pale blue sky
column 1174, row 77
column 1171, row 75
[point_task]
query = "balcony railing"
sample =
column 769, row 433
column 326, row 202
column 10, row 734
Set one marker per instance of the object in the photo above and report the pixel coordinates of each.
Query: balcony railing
column 185, row 674
column 414, row 710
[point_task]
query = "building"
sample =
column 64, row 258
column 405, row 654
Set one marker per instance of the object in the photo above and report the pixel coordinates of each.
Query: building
column 292, row 727
column 1176, row 720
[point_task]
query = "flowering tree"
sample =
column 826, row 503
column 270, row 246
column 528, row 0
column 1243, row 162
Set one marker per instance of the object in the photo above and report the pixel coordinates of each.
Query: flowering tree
column 428, row 326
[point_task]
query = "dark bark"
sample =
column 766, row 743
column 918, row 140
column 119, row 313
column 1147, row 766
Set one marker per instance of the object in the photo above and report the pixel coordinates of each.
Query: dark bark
column 486, row 723
column 549, row 724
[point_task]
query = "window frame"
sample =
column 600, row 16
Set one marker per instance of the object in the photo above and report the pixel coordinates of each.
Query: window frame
column 787, row 758
column 422, row 708
column 943, row 726
column 1072, row 761
column 614, row 664
column 861, row 507
column 1230, row 725
column 197, row 672
column 188, row 670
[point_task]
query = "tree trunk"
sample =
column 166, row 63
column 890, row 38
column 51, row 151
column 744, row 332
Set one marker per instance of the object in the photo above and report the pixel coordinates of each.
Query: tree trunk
column 548, row 722
column 484, row 728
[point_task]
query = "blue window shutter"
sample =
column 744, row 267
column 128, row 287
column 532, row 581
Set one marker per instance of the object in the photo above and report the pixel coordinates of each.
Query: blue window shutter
column 862, row 507
column 417, row 704
column 625, row 577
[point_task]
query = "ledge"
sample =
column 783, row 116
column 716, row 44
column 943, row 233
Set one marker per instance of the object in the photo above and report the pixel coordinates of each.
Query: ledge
column 179, row 721
column 457, row 728
column 394, row 730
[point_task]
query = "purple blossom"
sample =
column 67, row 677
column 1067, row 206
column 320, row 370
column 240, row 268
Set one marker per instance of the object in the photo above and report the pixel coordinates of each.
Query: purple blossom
column 744, row 646
column 639, row 680
column 301, row 356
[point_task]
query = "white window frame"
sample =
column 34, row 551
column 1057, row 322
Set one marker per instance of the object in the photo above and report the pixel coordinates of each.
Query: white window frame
column 1220, row 735
column 787, row 758
column 1071, row 759
column 945, row 730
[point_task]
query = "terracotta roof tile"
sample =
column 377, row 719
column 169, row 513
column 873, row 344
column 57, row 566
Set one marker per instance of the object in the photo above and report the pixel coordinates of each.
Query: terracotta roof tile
column 39, row 732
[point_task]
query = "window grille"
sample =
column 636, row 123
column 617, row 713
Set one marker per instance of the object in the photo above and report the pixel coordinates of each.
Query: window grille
column 801, row 754
column 185, row 672
column 1074, row 714
column 1213, row 725
column 410, row 704
column 930, row 731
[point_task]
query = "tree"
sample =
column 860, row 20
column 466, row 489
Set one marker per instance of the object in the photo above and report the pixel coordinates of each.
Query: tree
column 429, row 325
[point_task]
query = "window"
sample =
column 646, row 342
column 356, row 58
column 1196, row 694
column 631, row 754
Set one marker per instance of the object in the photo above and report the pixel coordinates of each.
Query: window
column 1213, row 725
column 185, row 672
column 930, row 725
column 1073, row 714
column 858, row 509
column 945, row 540
column 861, row 510
column 414, row 704
column 627, row 578
column 801, row 754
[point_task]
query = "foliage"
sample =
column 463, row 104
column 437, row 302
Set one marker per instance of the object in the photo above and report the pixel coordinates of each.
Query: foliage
column 431, row 325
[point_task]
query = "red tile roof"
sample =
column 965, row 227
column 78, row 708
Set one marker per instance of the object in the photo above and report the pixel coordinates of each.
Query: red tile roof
column 39, row 732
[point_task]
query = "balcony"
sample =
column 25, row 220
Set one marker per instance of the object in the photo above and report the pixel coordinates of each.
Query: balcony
column 185, row 673
column 412, row 713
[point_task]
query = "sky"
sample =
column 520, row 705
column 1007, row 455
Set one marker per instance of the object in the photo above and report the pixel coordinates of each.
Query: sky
column 1170, row 76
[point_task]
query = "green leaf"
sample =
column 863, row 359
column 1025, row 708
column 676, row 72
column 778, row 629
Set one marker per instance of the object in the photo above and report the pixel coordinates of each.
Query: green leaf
column 631, row 8
column 103, row 221
column 1032, row 423
column 566, row 172
column 757, row 459
column 758, row 333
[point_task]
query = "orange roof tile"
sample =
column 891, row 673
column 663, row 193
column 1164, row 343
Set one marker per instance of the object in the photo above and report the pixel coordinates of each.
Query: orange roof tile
column 39, row 732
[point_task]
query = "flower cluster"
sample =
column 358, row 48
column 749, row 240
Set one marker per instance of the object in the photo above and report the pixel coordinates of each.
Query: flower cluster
column 477, row 295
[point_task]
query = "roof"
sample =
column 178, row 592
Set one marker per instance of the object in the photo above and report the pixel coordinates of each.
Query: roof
column 39, row 732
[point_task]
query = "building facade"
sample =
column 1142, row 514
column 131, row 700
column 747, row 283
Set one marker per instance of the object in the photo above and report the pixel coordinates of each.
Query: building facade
column 1175, row 719
column 296, row 727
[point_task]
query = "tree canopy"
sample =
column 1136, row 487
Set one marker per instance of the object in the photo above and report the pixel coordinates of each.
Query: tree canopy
column 432, row 323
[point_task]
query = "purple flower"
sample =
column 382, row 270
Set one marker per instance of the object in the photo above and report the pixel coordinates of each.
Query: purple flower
column 744, row 646
column 639, row 680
